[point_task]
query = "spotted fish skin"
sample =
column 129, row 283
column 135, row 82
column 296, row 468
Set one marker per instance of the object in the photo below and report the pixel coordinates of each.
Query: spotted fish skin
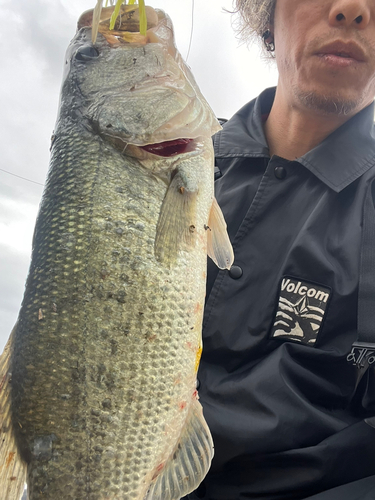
column 107, row 339
column 107, row 345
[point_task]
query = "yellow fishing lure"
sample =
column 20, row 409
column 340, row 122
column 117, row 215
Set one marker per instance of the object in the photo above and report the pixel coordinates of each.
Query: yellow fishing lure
column 98, row 10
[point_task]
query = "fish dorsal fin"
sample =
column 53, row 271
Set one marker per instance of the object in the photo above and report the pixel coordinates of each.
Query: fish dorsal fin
column 219, row 247
column 177, row 220
column 12, row 468
column 189, row 463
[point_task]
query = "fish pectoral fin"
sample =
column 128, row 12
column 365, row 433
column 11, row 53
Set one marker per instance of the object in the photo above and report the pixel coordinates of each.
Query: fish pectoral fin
column 219, row 247
column 12, row 467
column 176, row 228
column 189, row 463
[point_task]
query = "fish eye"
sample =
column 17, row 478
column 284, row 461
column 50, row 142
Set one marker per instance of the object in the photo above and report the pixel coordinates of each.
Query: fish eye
column 86, row 53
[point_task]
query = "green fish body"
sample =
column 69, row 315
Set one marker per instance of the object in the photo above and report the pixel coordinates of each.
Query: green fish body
column 99, row 374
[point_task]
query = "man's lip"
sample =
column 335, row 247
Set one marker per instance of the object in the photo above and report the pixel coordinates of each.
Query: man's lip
column 349, row 50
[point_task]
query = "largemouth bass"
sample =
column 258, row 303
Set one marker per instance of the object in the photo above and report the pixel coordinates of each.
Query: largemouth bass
column 97, row 395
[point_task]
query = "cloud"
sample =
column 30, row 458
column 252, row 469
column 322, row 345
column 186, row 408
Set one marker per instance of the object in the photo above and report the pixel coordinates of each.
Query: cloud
column 32, row 59
column 17, row 219
column 13, row 271
column 40, row 28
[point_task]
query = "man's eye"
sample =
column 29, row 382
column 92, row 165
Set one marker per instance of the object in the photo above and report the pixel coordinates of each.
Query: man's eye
column 86, row 53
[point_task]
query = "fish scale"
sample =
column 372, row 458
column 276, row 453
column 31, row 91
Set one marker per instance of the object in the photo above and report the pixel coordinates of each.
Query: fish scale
column 91, row 381
column 104, row 356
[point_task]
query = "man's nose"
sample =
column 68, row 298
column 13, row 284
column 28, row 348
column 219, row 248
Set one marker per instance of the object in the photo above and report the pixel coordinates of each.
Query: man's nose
column 351, row 12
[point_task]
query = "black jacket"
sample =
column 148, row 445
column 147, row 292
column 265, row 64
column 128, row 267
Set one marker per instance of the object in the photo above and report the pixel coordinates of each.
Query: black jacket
column 285, row 407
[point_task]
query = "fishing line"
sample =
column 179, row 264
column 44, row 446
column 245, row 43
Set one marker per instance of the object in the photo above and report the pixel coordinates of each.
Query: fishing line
column 192, row 28
column 24, row 178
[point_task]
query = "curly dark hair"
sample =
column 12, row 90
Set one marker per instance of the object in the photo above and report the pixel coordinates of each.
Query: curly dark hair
column 255, row 17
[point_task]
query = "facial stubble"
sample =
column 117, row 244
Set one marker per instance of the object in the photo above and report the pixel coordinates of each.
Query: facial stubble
column 327, row 104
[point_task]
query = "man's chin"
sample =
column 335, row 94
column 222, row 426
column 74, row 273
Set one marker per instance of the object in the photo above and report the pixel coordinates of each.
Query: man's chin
column 329, row 104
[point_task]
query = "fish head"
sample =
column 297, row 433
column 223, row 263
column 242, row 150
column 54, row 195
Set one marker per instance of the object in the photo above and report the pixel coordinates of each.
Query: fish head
column 132, row 89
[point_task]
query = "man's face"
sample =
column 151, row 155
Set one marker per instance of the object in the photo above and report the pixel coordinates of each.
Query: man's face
column 325, row 52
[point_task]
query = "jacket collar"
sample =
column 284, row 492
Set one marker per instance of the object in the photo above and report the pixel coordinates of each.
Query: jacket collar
column 337, row 161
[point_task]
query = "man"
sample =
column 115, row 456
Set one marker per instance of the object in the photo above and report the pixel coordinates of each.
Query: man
column 288, row 400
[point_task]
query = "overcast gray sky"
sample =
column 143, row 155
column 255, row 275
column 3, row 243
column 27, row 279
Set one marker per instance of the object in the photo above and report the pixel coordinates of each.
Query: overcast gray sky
column 33, row 39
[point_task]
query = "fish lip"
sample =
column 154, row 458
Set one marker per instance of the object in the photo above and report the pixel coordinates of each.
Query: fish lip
column 343, row 49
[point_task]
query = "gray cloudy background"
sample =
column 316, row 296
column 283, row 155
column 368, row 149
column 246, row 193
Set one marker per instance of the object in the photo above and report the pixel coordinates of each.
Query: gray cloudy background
column 33, row 39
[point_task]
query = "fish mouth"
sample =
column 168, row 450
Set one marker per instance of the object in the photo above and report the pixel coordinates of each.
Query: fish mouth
column 126, row 27
column 169, row 148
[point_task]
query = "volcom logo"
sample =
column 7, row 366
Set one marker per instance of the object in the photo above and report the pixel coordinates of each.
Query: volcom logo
column 301, row 310
column 303, row 290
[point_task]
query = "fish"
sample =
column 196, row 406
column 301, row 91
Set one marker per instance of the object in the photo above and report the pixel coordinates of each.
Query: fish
column 98, row 394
